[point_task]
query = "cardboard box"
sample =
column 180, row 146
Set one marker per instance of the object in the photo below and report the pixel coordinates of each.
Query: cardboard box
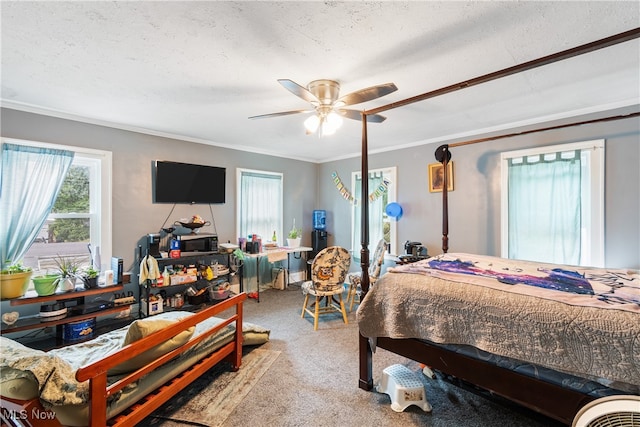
column 181, row 279
column 152, row 307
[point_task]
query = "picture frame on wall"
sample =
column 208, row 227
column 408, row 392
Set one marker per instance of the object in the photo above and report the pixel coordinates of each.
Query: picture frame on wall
column 436, row 177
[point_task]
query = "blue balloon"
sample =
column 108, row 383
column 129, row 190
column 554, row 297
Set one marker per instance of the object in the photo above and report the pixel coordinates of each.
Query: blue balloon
column 394, row 210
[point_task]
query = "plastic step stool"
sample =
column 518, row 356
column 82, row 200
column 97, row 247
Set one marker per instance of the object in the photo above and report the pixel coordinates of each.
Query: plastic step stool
column 403, row 387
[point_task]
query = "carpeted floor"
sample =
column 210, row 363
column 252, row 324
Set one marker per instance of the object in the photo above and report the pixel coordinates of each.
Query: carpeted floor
column 215, row 395
column 312, row 380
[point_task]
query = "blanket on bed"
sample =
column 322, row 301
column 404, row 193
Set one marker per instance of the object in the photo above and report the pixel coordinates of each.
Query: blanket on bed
column 585, row 286
column 54, row 371
column 537, row 324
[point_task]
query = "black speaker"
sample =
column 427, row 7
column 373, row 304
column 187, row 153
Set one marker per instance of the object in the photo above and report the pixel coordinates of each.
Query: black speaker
column 153, row 245
column 318, row 241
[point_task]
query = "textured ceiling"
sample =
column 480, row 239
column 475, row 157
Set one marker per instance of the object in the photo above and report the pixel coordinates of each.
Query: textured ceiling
column 198, row 70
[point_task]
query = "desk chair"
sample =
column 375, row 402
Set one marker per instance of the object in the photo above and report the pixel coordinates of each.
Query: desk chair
column 328, row 271
column 355, row 279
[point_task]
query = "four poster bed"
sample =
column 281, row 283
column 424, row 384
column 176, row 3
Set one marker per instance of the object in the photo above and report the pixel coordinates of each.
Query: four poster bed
column 551, row 338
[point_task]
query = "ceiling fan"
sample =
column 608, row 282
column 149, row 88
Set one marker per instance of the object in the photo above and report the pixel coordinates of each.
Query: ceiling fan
column 324, row 97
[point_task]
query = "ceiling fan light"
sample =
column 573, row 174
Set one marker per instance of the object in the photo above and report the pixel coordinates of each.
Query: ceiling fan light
column 331, row 123
column 327, row 129
column 334, row 120
column 312, row 123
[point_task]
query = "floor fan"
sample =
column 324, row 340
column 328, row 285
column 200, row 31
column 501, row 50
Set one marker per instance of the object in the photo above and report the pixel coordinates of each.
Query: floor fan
column 610, row 411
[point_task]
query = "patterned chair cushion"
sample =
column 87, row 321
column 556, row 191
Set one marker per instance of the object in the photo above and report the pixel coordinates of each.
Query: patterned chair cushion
column 328, row 272
column 375, row 267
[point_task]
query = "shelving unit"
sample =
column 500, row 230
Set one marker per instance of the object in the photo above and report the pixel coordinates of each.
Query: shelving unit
column 204, row 258
column 70, row 299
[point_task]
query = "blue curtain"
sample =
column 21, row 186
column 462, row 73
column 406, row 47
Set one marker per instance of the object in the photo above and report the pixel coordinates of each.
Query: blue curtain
column 30, row 179
column 545, row 210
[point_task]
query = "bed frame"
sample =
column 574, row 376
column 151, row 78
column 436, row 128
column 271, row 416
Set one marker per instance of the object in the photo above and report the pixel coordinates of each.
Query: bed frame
column 96, row 373
column 545, row 398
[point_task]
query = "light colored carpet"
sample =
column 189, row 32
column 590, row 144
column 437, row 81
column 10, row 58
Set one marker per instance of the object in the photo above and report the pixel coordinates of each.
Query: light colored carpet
column 314, row 381
column 212, row 404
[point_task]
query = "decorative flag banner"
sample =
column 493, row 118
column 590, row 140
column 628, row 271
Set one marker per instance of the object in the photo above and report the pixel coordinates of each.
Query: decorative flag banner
column 382, row 188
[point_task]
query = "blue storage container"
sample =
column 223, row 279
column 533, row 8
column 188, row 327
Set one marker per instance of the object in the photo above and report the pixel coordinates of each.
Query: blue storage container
column 80, row 330
column 319, row 220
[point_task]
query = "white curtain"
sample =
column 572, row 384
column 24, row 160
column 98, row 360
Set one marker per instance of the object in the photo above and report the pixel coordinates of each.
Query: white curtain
column 545, row 210
column 30, row 179
column 261, row 214
column 261, row 205
column 376, row 211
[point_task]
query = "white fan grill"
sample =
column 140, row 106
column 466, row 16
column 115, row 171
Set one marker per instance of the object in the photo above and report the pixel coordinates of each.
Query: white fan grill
column 620, row 419
column 611, row 411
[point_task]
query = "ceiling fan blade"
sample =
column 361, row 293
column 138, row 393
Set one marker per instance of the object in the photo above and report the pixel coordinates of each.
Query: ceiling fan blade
column 366, row 94
column 300, row 91
column 356, row 115
column 283, row 113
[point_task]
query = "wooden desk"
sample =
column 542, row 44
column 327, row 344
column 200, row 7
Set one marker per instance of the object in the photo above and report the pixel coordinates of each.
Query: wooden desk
column 275, row 254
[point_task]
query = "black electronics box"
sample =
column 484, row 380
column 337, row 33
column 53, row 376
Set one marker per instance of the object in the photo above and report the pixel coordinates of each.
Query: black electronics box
column 117, row 267
column 91, row 307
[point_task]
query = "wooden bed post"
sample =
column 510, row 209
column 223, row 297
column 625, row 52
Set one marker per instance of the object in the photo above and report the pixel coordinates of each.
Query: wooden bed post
column 443, row 155
column 364, row 209
column 366, row 355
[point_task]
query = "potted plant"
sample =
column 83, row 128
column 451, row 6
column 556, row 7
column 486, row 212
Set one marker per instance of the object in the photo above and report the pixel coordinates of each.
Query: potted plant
column 89, row 276
column 68, row 272
column 293, row 238
column 14, row 279
column 45, row 284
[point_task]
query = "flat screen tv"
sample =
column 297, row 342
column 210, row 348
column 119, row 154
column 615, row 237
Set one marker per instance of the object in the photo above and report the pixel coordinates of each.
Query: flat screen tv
column 187, row 183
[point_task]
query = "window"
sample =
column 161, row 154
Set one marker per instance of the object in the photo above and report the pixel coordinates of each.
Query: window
column 382, row 191
column 553, row 204
column 259, row 204
column 81, row 214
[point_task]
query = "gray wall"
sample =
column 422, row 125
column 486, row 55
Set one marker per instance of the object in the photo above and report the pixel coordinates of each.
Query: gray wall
column 134, row 214
column 474, row 220
column 474, row 205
